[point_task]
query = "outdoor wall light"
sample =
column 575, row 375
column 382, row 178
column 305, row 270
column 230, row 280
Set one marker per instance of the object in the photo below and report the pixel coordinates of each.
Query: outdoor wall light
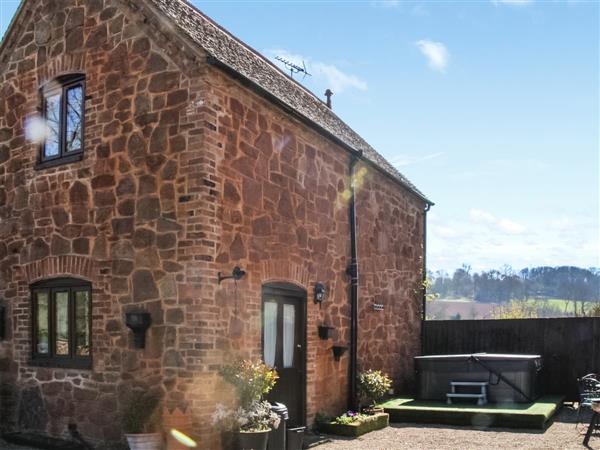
column 236, row 274
column 139, row 322
column 320, row 292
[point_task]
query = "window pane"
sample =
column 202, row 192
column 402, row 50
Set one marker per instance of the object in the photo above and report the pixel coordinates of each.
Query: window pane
column 270, row 333
column 62, row 323
column 289, row 329
column 52, row 113
column 82, row 316
column 73, row 119
column 41, row 327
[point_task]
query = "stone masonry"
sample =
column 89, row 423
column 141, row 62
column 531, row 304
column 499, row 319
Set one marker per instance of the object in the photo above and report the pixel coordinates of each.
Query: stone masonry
column 186, row 173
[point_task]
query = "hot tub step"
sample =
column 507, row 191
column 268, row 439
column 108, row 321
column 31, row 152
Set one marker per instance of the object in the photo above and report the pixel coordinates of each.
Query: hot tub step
column 481, row 398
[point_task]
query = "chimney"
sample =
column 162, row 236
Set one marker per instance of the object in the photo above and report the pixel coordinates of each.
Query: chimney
column 328, row 94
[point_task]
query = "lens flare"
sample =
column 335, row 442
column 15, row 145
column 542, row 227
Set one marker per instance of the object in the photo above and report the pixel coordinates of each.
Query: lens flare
column 36, row 129
column 183, row 438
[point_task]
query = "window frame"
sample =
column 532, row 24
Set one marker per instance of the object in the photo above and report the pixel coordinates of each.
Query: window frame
column 61, row 85
column 51, row 359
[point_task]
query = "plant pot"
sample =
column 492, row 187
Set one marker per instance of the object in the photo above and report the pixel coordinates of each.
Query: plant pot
column 253, row 440
column 325, row 332
column 145, row 441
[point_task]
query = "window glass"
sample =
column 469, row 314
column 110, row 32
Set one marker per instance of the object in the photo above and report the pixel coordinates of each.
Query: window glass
column 82, row 321
column 289, row 329
column 61, row 302
column 52, row 143
column 270, row 333
column 73, row 118
column 42, row 322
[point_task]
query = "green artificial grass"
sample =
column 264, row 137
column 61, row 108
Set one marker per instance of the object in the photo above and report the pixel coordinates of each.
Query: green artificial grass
column 358, row 428
column 511, row 415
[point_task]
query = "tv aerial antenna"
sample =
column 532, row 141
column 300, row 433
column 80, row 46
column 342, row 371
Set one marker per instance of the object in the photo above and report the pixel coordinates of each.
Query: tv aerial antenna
column 294, row 68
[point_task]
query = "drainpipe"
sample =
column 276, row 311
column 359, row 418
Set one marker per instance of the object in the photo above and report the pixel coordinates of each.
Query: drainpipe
column 424, row 276
column 352, row 271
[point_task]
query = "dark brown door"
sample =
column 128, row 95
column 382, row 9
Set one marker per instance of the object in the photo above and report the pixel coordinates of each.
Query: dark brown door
column 284, row 339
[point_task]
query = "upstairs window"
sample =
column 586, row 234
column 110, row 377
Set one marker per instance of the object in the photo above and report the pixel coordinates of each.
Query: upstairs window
column 63, row 107
column 61, row 323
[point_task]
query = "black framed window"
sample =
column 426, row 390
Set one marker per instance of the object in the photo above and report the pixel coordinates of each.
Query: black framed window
column 63, row 111
column 62, row 318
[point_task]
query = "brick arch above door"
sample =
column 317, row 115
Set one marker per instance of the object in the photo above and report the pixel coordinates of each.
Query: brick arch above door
column 285, row 271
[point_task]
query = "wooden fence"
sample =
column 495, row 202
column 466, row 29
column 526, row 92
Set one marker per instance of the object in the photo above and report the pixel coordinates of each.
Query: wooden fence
column 570, row 347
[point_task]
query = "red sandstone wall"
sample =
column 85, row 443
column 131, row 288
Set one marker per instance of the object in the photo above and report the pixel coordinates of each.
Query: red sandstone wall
column 186, row 173
column 285, row 217
column 390, row 253
column 127, row 217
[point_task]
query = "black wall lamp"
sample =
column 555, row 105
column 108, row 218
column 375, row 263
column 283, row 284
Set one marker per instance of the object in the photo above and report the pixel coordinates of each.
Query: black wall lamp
column 139, row 322
column 320, row 292
column 236, row 274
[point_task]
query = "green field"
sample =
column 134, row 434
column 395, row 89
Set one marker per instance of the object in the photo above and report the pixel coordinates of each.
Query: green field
column 558, row 304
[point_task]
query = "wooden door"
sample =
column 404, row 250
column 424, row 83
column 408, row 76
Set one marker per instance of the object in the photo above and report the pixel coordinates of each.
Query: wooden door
column 284, row 341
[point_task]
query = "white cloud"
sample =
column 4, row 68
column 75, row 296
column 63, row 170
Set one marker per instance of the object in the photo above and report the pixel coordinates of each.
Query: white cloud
column 324, row 74
column 513, row 2
column 529, row 237
column 478, row 239
column 510, row 227
column 406, row 160
column 500, row 225
column 436, row 53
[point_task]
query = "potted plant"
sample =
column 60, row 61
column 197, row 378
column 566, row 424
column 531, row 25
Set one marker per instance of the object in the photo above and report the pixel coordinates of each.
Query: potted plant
column 252, row 421
column 249, row 427
column 140, row 422
column 372, row 386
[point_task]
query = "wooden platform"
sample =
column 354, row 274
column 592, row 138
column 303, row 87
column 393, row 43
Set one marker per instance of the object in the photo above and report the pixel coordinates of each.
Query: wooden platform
column 513, row 415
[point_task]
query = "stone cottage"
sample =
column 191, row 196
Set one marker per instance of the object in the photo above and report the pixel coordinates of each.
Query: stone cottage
column 145, row 153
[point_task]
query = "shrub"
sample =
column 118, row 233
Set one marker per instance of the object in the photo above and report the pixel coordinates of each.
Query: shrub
column 373, row 385
column 251, row 379
column 257, row 416
column 138, row 412
column 349, row 417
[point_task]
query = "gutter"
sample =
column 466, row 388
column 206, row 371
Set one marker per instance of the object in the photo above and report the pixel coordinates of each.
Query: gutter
column 352, row 271
column 424, row 277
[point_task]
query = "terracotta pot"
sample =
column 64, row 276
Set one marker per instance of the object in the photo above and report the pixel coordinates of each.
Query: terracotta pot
column 256, row 440
column 145, row 441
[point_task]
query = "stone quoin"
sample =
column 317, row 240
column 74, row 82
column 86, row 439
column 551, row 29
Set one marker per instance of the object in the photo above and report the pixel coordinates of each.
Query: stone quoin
column 196, row 155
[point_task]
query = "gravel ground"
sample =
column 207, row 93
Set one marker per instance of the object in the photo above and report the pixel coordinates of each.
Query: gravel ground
column 560, row 435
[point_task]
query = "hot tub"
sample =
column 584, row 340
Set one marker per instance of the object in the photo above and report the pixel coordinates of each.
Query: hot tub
column 435, row 372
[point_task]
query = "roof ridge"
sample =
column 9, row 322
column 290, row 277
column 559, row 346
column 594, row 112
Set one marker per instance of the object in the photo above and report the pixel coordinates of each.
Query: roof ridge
column 252, row 49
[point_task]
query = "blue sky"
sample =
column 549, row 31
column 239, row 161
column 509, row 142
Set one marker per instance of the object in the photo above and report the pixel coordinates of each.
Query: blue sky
column 489, row 107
